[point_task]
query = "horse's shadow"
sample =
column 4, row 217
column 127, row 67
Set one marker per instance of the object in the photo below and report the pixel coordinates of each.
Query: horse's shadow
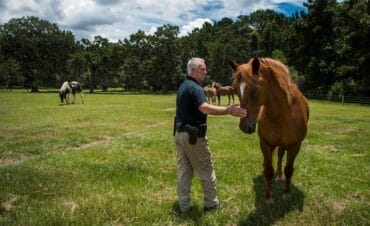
column 265, row 214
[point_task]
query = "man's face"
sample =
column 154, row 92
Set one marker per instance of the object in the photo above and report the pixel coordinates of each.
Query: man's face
column 200, row 72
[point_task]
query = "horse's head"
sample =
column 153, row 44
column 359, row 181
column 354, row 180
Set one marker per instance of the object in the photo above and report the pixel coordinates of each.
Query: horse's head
column 216, row 85
column 247, row 85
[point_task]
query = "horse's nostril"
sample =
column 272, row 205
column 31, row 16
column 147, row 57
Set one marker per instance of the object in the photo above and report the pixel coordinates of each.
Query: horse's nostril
column 250, row 129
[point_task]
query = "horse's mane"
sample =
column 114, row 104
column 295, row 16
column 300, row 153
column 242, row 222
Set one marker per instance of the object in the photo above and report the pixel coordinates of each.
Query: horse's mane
column 280, row 74
column 271, row 70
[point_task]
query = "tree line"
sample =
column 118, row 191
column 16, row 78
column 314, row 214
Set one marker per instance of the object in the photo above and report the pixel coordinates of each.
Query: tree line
column 326, row 48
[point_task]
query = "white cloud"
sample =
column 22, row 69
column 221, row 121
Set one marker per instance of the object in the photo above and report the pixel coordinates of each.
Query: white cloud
column 117, row 19
column 189, row 27
column 152, row 30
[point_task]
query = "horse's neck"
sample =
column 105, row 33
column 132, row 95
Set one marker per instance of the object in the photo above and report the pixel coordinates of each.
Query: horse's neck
column 277, row 103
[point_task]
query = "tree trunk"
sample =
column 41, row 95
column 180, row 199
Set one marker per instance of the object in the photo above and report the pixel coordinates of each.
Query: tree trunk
column 34, row 89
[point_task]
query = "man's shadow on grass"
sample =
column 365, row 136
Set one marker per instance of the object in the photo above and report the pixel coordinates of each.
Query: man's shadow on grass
column 265, row 214
column 194, row 214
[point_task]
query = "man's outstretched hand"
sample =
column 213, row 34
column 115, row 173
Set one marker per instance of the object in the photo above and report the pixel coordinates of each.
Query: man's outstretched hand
column 237, row 111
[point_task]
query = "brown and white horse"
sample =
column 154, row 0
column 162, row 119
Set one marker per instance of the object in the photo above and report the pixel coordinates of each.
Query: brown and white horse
column 266, row 90
column 70, row 87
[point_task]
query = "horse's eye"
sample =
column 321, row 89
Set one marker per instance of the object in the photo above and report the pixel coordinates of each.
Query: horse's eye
column 254, row 93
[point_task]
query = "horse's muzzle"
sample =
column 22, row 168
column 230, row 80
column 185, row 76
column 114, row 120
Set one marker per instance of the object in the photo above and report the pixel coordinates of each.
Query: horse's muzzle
column 250, row 128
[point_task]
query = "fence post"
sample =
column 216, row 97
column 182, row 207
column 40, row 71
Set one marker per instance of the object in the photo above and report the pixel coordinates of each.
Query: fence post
column 342, row 99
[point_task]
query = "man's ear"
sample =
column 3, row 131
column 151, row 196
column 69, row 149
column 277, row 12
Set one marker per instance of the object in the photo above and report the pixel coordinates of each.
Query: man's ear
column 233, row 65
column 255, row 65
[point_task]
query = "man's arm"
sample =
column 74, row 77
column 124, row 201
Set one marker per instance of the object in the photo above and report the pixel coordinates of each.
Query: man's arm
column 233, row 110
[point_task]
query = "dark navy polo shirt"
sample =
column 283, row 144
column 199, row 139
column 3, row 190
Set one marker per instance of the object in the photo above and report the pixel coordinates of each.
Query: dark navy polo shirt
column 190, row 96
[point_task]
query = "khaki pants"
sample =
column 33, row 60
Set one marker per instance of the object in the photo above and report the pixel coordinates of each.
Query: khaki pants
column 194, row 158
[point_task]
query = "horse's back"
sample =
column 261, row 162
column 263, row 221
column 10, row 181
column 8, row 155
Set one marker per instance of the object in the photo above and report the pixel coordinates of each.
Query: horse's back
column 65, row 87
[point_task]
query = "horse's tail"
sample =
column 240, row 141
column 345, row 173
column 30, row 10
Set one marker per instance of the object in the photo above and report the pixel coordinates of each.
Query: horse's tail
column 308, row 113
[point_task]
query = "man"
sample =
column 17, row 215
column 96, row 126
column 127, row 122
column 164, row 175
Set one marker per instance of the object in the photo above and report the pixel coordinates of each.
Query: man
column 193, row 153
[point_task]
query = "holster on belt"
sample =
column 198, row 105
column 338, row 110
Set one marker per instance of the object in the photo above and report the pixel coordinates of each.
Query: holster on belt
column 195, row 132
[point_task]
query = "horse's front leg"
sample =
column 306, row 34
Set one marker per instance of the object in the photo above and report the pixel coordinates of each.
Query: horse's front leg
column 228, row 96
column 268, row 170
column 279, row 174
column 289, row 169
column 219, row 99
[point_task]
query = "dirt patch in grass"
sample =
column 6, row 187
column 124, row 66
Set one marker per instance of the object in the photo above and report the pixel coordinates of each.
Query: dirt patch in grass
column 358, row 155
column 170, row 109
column 13, row 160
column 8, row 205
column 105, row 140
column 71, row 206
column 338, row 207
column 331, row 148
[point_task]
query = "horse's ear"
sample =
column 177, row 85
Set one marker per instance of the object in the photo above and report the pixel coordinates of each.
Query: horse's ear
column 233, row 65
column 255, row 65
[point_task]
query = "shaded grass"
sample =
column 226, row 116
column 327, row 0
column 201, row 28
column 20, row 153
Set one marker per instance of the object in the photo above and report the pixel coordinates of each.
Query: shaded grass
column 112, row 161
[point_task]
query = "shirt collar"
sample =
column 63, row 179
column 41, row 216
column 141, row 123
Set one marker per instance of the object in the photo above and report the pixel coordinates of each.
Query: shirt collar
column 193, row 79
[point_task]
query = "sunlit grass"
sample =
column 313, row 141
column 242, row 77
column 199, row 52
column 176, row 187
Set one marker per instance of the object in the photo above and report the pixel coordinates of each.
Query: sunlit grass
column 112, row 161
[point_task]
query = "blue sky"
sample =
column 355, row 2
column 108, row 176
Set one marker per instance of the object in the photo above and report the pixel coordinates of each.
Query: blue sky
column 117, row 19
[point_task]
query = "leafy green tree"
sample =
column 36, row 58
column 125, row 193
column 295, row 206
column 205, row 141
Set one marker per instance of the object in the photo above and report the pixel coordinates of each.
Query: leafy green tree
column 40, row 48
column 10, row 73
column 315, row 56
column 164, row 59
column 135, row 66
column 352, row 31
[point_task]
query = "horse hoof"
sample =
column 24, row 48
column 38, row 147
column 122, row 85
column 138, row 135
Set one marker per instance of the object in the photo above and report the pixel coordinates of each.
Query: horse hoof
column 279, row 181
column 269, row 201
column 287, row 196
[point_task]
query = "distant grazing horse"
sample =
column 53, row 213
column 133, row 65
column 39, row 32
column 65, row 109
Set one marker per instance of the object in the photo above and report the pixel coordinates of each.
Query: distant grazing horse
column 70, row 87
column 266, row 90
column 223, row 91
column 211, row 94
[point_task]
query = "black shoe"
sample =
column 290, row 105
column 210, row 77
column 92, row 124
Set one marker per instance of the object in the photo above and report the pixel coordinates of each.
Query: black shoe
column 216, row 207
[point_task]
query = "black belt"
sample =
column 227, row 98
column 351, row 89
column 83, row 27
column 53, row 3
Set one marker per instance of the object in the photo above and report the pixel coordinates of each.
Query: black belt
column 193, row 131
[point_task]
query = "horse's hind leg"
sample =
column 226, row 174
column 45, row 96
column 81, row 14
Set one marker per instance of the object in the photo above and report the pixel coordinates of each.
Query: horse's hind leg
column 232, row 97
column 82, row 98
column 289, row 169
column 279, row 173
column 228, row 96
column 219, row 99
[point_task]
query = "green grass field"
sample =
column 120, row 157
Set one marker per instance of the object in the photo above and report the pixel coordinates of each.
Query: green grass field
column 112, row 161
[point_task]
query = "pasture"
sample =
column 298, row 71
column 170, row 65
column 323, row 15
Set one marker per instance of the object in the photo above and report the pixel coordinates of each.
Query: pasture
column 112, row 161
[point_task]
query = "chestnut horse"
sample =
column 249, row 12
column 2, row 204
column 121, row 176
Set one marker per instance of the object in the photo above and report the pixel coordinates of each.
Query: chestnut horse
column 223, row 91
column 211, row 94
column 266, row 90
